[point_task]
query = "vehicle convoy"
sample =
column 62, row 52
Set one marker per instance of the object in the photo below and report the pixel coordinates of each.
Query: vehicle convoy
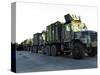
column 70, row 38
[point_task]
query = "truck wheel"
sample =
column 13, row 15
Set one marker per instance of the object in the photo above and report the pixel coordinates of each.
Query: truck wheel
column 32, row 49
column 53, row 50
column 35, row 50
column 43, row 50
column 92, row 52
column 78, row 51
column 47, row 50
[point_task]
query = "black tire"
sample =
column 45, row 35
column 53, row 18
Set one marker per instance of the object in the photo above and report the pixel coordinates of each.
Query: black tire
column 92, row 52
column 43, row 50
column 78, row 51
column 47, row 50
column 53, row 50
column 35, row 49
column 32, row 50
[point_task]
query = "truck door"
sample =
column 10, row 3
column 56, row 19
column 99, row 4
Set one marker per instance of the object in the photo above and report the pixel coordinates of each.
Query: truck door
column 67, row 36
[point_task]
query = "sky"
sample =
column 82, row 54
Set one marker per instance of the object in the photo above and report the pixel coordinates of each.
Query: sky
column 34, row 17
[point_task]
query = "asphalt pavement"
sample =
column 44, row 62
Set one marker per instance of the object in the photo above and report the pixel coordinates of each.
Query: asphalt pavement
column 33, row 62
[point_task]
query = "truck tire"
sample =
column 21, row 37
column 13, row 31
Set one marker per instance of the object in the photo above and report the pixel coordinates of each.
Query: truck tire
column 92, row 52
column 53, row 50
column 43, row 50
column 35, row 49
column 47, row 50
column 78, row 51
column 62, row 50
column 32, row 50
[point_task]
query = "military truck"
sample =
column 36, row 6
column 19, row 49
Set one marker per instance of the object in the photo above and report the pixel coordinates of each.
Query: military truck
column 70, row 38
column 36, row 42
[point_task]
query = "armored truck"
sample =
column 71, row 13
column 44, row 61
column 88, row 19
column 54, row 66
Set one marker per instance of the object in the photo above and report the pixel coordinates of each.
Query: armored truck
column 69, row 38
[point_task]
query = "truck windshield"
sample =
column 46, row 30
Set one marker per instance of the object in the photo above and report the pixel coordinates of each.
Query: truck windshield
column 78, row 26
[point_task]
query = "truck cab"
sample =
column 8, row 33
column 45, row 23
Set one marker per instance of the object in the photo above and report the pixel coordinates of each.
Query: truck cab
column 78, row 41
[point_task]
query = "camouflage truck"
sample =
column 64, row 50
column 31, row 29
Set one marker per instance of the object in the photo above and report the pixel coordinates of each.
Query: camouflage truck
column 76, row 39
column 70, row 38
column 36, row 42
column 53, row 37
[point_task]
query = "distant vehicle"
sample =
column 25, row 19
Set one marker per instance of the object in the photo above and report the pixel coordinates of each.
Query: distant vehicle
column 70, row 38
